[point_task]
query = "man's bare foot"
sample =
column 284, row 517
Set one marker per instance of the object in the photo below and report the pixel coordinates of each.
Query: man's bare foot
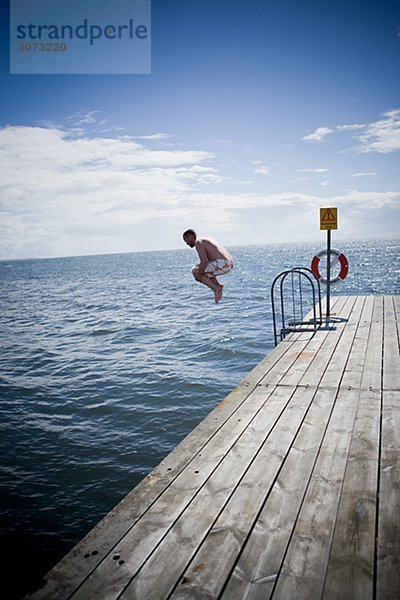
column 218, row 294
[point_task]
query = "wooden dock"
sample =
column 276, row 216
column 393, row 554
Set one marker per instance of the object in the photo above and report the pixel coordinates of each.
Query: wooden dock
column 289, row 489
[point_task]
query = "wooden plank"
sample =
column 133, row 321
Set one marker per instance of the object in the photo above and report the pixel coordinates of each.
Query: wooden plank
column 366, row 316
column 260, row 559
column 388, row 543
column 372, row 373
column 377, row 314
column 222, row 512
column 396, row 302
column 391, row 355
column 302, row 359
column 110, row 578
column 303, row 570
column 278, row 374
column 354, row 370
column 269, row 361
column 353, row 548
column 334, row 373
column 317, row 370
column 389, row 313
column 275, row 374
column 336, row 303
column 304, row 370
column 357, row 311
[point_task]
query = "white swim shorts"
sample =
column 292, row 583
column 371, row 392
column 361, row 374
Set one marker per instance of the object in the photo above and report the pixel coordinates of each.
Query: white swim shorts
column 215, row 268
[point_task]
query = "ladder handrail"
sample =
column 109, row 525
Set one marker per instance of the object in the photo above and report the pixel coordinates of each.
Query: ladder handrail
column 306, row 273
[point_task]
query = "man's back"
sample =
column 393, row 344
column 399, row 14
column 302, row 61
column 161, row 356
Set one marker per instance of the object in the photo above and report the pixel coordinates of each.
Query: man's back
column 214, row 250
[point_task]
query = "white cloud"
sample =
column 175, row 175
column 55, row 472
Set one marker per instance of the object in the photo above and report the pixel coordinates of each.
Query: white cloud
column 60, row 188
column 379, row 136
column 353, row 127
column 61, row 194
column 383, row 135
column 222, row 141
column 367, row 174
column 368, row 200
column 262, row 170
column 318, row 135
column 84, row 117
column 317, row 170
column 153, row 136
column 300, row 179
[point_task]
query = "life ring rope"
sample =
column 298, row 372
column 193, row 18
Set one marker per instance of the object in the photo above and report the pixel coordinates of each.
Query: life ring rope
column 340, row 257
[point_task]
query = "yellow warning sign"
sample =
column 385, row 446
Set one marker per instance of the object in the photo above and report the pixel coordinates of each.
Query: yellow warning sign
column 328, row 218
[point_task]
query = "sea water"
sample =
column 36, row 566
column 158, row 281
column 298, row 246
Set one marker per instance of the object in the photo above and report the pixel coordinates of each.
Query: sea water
column 108, row 361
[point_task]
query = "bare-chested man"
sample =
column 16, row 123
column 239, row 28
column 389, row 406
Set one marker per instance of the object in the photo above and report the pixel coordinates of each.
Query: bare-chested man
column 215, row 260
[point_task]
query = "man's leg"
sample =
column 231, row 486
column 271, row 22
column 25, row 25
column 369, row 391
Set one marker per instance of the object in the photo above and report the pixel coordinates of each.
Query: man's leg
column 211, row 282
column 214, row 284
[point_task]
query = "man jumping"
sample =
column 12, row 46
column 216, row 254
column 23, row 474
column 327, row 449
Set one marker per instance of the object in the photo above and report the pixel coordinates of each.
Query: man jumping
column 215, row 260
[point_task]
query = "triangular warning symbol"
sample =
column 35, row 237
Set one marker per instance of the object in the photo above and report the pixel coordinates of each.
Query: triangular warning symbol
column 328, row 216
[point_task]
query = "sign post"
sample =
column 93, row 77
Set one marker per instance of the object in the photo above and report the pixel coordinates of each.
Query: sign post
column 328, row 220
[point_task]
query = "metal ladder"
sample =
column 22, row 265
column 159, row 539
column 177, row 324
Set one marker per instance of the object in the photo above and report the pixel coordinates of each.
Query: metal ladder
column 301, row 280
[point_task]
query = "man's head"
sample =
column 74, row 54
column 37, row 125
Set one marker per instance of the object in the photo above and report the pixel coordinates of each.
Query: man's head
column 190, row 237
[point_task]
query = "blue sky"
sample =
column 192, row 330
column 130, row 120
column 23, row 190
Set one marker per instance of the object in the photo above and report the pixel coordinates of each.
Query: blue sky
column 255, row 114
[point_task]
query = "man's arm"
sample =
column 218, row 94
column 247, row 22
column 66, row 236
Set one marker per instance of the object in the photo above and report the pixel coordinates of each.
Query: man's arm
column 201, row 251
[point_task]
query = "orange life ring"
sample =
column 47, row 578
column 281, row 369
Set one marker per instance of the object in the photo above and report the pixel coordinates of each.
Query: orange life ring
column 344, row 266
